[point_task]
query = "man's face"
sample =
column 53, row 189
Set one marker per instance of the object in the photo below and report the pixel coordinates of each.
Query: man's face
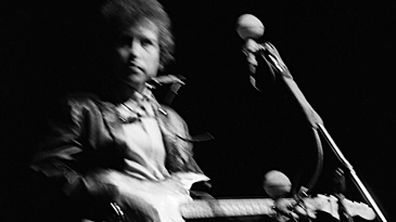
column 138, row 54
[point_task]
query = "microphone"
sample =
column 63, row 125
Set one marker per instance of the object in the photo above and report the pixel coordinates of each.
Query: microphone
column 276, row 184
column 249, row 27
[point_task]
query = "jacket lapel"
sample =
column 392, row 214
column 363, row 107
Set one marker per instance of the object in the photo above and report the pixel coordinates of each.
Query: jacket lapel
column 113, row 122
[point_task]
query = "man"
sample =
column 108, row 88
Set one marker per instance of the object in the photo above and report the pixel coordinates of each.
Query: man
column 122, row 151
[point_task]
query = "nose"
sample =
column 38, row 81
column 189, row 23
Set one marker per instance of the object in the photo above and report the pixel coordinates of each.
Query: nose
column 135, row 48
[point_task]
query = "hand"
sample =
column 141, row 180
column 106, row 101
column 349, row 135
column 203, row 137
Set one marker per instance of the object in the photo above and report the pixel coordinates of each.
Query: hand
column 284, row 209
column 288, row 208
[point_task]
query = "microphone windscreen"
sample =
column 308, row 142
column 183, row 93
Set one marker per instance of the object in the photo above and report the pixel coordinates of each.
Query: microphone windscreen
column 249, row 26
column 276, row 184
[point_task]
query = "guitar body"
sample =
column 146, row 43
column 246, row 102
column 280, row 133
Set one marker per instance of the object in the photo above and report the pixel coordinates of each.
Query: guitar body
column 142, row 200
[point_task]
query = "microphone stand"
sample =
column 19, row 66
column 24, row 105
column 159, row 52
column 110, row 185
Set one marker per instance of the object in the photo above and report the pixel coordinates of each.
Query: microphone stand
column 363, row 190
column 270, row 54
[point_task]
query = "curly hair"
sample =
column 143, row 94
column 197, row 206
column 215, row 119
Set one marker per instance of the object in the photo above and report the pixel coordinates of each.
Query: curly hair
column 122, row 14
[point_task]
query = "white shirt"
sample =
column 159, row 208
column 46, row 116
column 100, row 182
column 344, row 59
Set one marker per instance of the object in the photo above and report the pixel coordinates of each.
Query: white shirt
column 146, row 151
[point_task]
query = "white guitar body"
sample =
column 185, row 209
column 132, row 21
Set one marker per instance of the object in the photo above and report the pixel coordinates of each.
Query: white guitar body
column 161, row 196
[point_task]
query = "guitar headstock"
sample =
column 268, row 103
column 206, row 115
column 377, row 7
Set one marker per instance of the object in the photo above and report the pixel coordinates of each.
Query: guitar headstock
column 329, row 204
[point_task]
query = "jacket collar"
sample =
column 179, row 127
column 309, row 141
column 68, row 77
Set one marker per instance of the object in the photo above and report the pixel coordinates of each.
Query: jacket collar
column 114, row 123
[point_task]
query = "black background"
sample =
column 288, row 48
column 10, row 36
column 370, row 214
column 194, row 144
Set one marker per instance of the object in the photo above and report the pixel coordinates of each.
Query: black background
column 339, row 53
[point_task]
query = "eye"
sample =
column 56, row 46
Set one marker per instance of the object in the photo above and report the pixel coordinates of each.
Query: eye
column 146, row 42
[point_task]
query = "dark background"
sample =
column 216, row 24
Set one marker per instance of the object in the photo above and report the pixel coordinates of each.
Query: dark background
column 339, row 53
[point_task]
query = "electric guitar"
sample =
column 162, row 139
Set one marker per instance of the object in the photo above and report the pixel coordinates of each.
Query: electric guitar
column 175, row 206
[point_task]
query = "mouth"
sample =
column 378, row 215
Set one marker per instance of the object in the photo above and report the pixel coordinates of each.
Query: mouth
column 135, row 68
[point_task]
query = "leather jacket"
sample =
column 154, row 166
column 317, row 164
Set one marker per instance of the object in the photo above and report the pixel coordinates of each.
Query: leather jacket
column 86, row 136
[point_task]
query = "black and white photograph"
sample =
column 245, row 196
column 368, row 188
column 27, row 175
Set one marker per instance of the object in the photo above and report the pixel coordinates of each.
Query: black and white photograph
column 196, row 111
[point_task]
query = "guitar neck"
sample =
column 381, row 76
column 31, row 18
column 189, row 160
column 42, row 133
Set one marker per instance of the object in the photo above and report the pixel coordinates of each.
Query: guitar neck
column 254, row 207
column 227, row 208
